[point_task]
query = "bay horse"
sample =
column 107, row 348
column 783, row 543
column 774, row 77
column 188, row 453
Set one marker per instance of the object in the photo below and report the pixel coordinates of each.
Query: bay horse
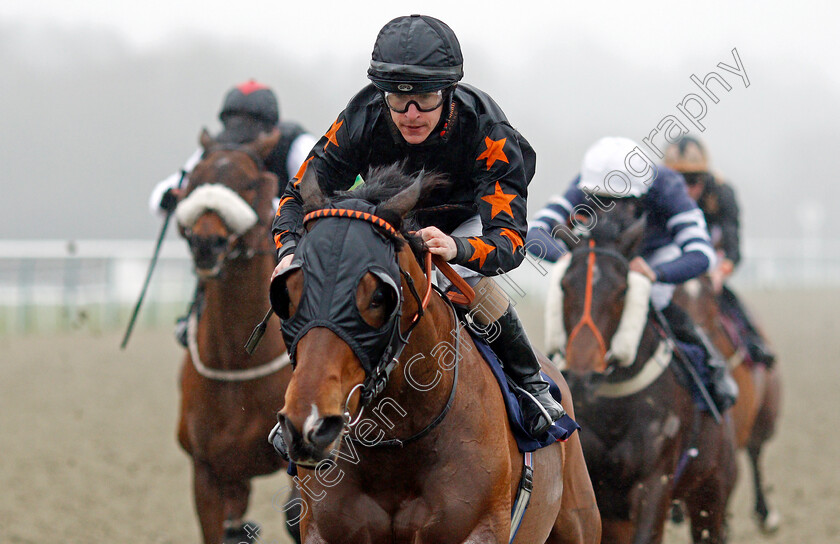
column 756, row 411
column 428, row 456
column 229, row 398
column 644, row 440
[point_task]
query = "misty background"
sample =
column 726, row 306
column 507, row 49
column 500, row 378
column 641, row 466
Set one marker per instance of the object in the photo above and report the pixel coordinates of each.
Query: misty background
column 95, row 111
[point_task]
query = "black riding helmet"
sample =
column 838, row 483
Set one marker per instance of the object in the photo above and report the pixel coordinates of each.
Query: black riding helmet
column 253, row 99
column 416, row 54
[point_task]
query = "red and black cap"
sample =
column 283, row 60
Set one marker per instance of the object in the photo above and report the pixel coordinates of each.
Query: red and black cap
column 251, row 98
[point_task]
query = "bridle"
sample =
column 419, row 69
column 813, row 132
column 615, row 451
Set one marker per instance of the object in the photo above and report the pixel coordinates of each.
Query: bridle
column 591, row 251
column 377, row 378
column 235, row 244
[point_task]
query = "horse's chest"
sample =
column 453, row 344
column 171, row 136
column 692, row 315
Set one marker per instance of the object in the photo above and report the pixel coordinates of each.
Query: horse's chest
column 629, row 440
column 416, row 520
column 412, row 508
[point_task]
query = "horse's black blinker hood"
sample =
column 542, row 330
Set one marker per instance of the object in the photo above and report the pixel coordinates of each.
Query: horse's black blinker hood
column 336, row 253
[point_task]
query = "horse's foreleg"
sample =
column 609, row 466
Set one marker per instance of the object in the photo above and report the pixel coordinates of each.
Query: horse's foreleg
column 707, row 510
column 618, row 531
column 235, row 495
column 766, row 517
column 491, row 531
column 579, row 521
column 650, row 503
column 208, row 503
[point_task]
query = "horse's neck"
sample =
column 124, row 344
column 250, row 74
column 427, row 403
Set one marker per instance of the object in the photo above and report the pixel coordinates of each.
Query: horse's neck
column 235, row 302
column 648, row 343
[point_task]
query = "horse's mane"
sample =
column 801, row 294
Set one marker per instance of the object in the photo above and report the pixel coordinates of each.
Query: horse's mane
column 381, row 184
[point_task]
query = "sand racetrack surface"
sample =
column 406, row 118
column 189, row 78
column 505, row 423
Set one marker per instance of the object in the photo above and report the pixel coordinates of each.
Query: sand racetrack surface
column 88, row 451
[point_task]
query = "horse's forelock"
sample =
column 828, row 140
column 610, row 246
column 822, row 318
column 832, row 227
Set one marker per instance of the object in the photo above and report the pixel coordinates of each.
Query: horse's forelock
column 613, row 222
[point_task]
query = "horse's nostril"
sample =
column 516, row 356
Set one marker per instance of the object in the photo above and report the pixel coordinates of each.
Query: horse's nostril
column 326, row 431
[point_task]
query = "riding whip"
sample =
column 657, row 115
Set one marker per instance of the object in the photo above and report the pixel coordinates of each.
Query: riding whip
column 151, row 269
column 259, row 331
column 688, row 367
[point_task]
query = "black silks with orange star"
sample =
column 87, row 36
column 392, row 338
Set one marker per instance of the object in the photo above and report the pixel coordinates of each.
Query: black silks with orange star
column 488, row 164
column 502, row 175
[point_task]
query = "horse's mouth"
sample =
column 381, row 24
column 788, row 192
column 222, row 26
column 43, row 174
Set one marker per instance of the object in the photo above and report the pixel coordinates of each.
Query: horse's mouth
column 208, row 273
column 307, row 456
column 314, row 445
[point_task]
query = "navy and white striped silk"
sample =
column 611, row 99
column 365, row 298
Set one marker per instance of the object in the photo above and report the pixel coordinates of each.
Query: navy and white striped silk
column 673, row 219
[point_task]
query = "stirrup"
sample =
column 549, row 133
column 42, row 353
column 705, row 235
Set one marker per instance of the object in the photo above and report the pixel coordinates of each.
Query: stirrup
column 537, row 426
column 275, row 438
column 181, row 331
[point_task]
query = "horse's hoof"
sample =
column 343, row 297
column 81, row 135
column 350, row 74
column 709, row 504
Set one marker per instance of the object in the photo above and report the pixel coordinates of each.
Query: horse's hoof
column 677, row 513
column 248, row 531
column 769, row 524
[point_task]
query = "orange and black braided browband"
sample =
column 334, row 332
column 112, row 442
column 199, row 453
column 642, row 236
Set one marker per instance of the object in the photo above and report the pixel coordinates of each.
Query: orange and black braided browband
column 351, row 214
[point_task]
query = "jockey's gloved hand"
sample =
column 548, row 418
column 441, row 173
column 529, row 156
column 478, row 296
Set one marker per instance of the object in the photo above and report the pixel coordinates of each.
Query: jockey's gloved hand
column 169, row 200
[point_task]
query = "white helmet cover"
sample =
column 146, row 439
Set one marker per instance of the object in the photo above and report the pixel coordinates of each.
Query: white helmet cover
column 617, row 168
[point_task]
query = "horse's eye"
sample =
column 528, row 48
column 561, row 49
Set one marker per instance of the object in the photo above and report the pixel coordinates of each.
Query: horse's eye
column 378, row 299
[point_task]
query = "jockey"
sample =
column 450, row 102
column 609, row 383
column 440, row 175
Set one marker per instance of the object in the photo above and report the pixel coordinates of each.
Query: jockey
column 676, row 246
column 248, row 110
column 415, row 112
column 717, row 200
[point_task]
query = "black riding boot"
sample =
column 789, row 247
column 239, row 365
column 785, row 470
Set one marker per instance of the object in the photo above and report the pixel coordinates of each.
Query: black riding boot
column 758, row 349
column 521, row 365
column 723, row 389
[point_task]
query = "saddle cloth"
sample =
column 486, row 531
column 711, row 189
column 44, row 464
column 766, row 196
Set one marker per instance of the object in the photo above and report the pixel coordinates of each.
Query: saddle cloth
column 560, row 431
column 697, row 357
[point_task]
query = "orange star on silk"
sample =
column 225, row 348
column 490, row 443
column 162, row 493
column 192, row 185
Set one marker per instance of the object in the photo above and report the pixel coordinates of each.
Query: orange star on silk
column 480, row 250
column 495, row 151
column 500, row 201
column 513, row 236
column 331, row 133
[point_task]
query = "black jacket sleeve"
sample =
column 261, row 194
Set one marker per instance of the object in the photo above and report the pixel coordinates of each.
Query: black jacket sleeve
column 336, row 166
column 729, row 223
column 504, row 164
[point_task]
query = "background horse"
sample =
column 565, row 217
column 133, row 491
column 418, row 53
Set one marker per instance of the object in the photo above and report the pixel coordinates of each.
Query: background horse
column 228, row 398
column 759, row 388
column 433, row 459
column 643, row 438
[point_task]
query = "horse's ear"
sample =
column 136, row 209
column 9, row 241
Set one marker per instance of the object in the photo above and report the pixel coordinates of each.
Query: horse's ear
column 265, row 143
column 630, row 239
column 310, row 191
column 205, row 139
column 405, row 201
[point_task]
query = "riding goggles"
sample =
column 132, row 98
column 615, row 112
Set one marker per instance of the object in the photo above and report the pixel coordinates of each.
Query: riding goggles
column 693, row 178
column 425, row 102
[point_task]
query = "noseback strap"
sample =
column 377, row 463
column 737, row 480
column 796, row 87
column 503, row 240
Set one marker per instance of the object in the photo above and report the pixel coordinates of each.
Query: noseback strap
column 237, row 214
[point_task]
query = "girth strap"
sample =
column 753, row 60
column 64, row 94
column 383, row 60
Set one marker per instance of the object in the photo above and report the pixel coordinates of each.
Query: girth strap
column 523, row 495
